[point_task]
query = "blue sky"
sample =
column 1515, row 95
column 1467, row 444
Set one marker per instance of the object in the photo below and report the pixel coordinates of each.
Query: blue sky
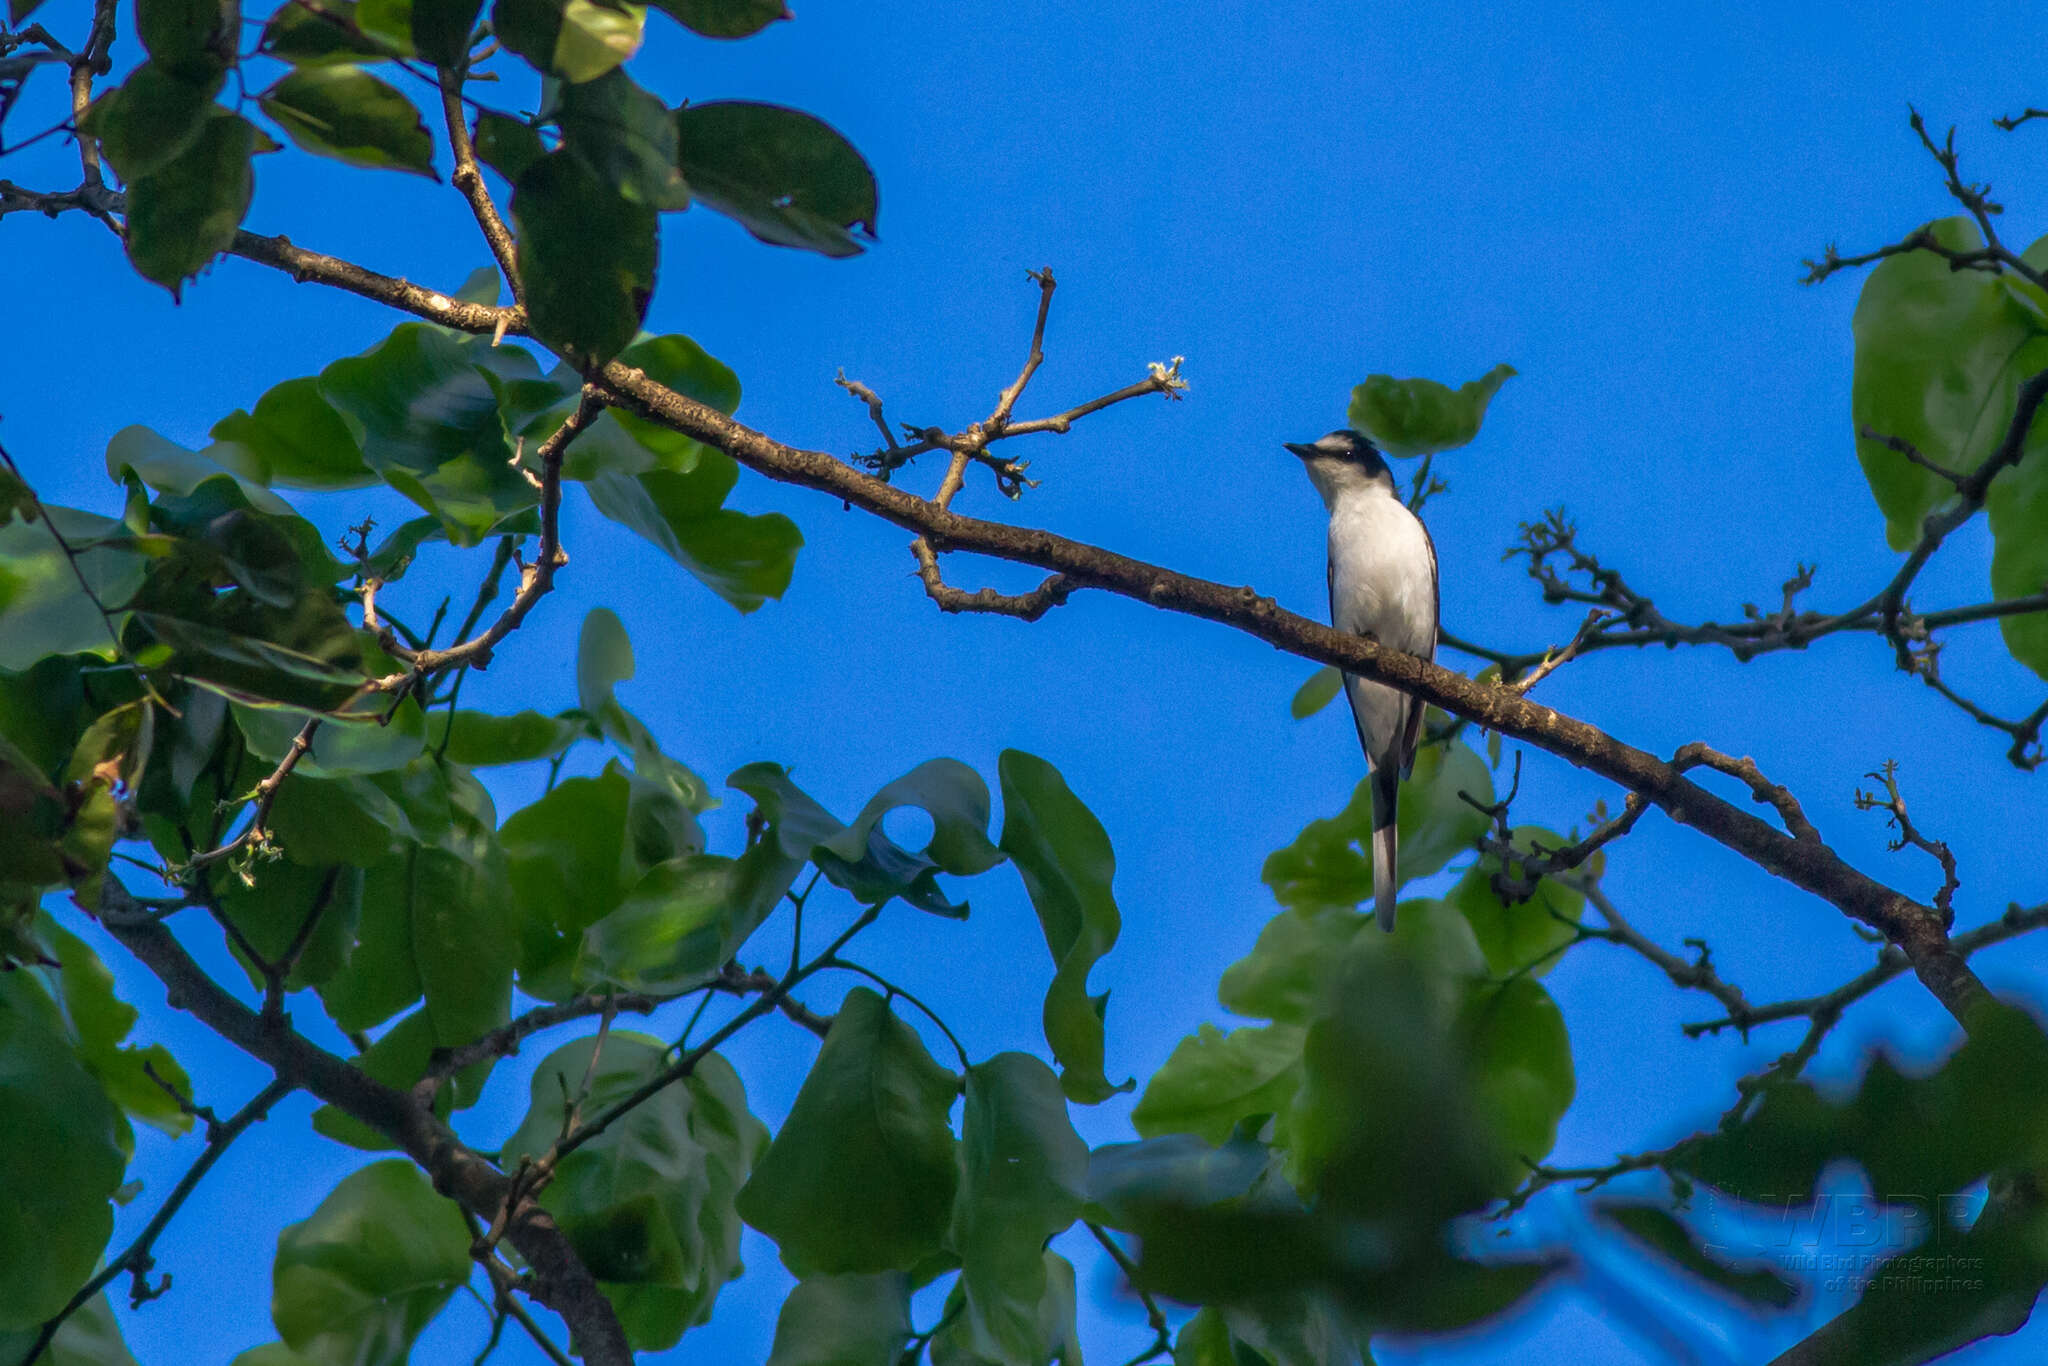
column 1612, row 199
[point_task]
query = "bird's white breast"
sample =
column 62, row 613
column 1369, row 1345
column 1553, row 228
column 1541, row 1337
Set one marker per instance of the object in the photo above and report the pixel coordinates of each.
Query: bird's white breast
column 1382, row 572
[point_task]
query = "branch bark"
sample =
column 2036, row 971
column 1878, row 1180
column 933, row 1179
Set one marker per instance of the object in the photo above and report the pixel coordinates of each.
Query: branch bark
column 561, row 1281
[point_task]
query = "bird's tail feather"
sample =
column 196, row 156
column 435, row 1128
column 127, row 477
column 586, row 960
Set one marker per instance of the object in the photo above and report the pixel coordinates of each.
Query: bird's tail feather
column 1386, row 786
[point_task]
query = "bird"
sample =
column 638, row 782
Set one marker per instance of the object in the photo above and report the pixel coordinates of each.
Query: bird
column 1383, row 584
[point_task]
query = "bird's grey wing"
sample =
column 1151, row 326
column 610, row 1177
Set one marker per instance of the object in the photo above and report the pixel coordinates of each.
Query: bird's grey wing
column 1411, row 734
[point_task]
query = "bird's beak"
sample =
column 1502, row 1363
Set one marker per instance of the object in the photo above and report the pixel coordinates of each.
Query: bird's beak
column 1303, row 451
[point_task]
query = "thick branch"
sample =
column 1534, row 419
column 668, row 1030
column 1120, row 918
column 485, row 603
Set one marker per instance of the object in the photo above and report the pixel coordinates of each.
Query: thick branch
column 560, row 1279
column 1807, row 864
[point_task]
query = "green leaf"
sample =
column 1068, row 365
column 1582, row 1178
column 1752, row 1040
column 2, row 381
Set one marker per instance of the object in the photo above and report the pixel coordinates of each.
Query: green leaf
column 1754, row 1281
column 481, row 740
column 360, row 1278
column 170, row 468
column 1212, row 1081
column 506, row 145
column 865, row 861
column 346, row 113
column 1064, row 856
column 1317, row 692
column 1940, row 355
column 724, row 18
column 191, row 32
column 626, row 135
column 321, row 822
column 351, row 743
column 63, row 1149
column 43, row 610
column 685, row 919
column 789, row 179
column 1515, row 1047
column 294, row 439
column 1330, row 862
column 577, row 40
column 425, row 416
column 568, row 865
column 304, row 34
column 586, row 257
column 1520, row 932
column 1421, row 416
column 17, row 499
column 151, row 117
column 1023, row 1172
column 745, row 559
column 186, row 212
column 648, row 1203
column 1286, row 975
column 90, row 1337
column 844, row 1321
column 861, row 1178
column 100, row 1021
column 387, row 22
column 441, row 29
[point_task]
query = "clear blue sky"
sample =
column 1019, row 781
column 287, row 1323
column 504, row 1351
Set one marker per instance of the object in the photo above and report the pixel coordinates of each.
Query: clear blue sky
column 1612, row 199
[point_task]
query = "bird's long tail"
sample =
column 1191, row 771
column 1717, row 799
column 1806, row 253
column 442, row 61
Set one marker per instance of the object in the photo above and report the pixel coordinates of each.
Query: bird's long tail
column 1386, row 787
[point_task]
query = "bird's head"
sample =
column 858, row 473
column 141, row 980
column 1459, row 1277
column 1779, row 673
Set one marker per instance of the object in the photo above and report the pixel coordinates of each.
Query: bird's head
column 1343, row 461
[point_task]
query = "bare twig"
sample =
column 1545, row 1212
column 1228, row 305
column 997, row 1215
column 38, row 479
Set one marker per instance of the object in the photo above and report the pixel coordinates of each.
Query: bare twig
column 1894, row 807
column 1553, row 661
column 1761, row 789
column 1030, row 606
column 1162, row 1333
column 470, row 181
column 1034, row 358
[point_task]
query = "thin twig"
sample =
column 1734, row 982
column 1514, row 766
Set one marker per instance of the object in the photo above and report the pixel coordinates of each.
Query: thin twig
column 1162, row 1333
column 1053, row 592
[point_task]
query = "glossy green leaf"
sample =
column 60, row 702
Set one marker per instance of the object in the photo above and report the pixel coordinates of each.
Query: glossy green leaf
column 90, row 1337
column 1754, row 1281
column 1064, row 856
column 152, row 116
column 346, row 113
column 426, row 419
column 482, row 740
column 359, row 1278
column 648, row 1203
column 169, row 468
column 1317, row 692
column 1023, row 1172
column 844, row 1321
column 1940, row 355
column 345, row 744
column 788, row 178
column 441, row 29
column 43, row 610
column 186, row 211
column 1420, row 416
column 626, row 135
column 277, row 903
column 864, row 860
column 568, row 864
column 2016, row 508
column 577, row 40
column 1520, row 930
column 1330, row 862
column 1213, row 1080
column 861, row 1177
column 586, row 256
column 506, row 145
column 318, row 32
column 685, row 919
column 724, row 18
column 1286, row 975
column 100, row 1023
column 295, row 439
column 62, row 1153
column 322, row 822
column 744, row 558
column 271, row 1354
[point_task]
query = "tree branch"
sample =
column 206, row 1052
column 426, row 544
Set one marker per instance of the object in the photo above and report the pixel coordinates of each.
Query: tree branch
column 560, row 1281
